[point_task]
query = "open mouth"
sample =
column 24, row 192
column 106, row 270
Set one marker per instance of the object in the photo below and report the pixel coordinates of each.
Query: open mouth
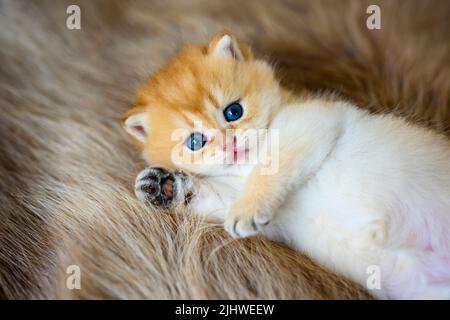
column 239, row 154
column 236, row 153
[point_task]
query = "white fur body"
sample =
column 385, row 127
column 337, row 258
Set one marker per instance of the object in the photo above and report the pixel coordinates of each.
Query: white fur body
column 372, row 190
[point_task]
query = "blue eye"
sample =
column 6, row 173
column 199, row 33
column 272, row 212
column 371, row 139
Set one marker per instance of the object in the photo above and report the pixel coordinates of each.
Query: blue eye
column 233, row 112
column 196, row 141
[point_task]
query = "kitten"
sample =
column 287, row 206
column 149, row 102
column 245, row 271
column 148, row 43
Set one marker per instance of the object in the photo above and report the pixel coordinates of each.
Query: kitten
column 354, row 191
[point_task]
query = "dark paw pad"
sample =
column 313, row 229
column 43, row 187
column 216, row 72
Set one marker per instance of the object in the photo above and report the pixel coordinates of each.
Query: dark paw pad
column 156, row 186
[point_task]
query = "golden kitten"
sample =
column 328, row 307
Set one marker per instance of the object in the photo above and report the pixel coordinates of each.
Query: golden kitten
column 354, row 191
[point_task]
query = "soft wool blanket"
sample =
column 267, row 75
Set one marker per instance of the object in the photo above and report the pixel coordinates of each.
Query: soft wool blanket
column 67, row 169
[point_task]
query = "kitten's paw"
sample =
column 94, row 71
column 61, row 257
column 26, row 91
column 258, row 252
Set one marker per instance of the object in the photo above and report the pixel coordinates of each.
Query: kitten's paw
column 241, row 223
column 161, row 188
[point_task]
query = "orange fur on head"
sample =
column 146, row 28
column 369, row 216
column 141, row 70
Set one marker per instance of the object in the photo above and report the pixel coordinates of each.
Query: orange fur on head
column 194, row 88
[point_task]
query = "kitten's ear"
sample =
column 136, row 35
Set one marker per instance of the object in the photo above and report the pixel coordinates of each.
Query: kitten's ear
column 135, row 122
column 224, row 44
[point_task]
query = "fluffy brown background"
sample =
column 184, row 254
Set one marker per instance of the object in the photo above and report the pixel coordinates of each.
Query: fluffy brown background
column 67, row 169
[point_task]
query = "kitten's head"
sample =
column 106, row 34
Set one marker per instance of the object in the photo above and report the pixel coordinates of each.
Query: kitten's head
column 195, row 112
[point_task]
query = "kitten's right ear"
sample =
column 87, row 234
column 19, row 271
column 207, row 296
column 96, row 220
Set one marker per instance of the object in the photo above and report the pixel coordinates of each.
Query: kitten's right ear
column 135, row 122
column 224, row 44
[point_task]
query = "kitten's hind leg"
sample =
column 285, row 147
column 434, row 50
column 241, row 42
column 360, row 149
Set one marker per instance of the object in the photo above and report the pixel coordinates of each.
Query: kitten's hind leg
column 159, row 187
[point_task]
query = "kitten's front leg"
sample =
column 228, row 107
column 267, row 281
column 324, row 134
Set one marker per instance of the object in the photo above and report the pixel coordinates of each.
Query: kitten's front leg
column 159, row 187
column 308, row 136
column 258, row 203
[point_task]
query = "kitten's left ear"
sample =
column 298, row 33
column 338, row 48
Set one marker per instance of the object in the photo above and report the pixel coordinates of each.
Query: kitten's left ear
column 135, row 122
column 224, row 44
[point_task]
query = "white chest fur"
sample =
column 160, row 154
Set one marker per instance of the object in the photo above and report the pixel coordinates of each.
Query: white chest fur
column 381, row 198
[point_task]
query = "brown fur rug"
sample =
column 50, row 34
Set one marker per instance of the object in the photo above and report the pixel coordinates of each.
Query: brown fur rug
column 67, row 169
